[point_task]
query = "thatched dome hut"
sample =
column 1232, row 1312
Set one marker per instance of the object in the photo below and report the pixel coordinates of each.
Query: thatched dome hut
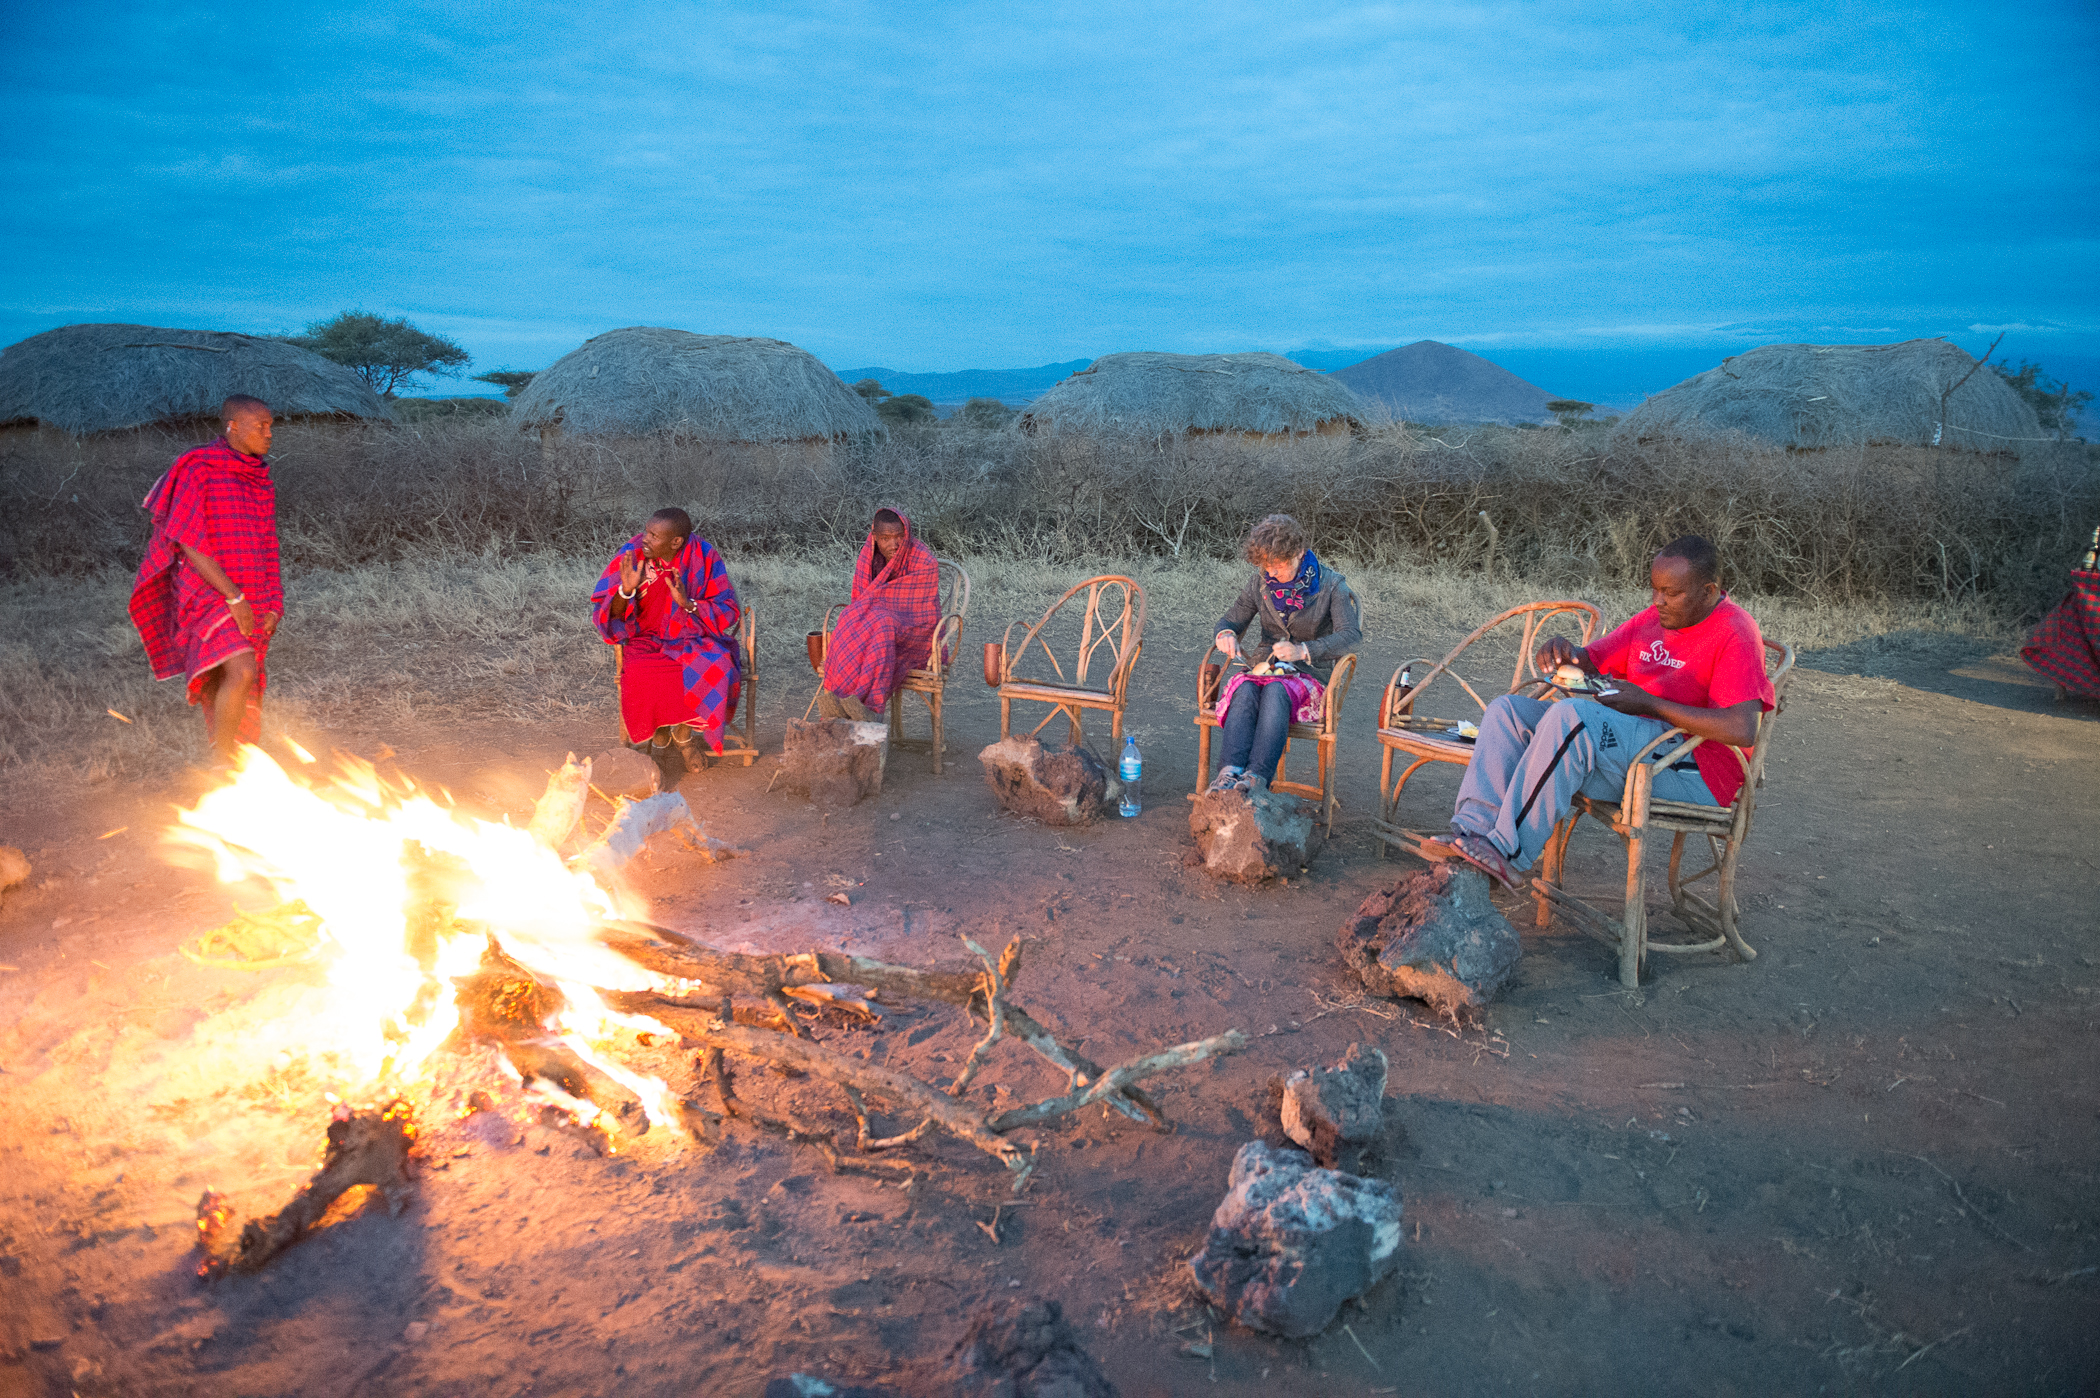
column 1154, row 395
column 106, row 378
column 724, row 388
column 1845, row 395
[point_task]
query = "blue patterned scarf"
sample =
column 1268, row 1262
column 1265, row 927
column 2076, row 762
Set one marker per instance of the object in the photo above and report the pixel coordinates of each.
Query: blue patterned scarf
column 1289, row 598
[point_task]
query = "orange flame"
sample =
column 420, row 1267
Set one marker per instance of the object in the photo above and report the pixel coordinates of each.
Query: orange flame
column 347, row 847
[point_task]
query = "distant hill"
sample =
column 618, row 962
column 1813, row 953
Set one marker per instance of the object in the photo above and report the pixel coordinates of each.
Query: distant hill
column 1432, row 382
column 1326, row 361
column 1009, row 386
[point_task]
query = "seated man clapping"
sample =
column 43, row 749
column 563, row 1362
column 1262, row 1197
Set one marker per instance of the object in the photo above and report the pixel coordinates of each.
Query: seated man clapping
column 1694, row 660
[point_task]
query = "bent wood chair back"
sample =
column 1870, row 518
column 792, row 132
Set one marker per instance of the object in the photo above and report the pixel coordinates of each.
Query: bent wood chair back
column 1637, row 813
column 1210, row 683
column 928, row 675
column 1404, row 727
column 738, row 740
column 1110, row 615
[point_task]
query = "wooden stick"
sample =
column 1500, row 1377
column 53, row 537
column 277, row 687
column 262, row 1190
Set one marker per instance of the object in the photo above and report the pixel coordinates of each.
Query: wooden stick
column 673, row 954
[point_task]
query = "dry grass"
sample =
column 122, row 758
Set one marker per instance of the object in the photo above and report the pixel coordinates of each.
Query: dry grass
column 1572, row 509
column 413, row 647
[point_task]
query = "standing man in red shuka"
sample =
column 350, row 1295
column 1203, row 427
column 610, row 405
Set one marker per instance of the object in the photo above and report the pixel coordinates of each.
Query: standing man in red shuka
column 208, row 596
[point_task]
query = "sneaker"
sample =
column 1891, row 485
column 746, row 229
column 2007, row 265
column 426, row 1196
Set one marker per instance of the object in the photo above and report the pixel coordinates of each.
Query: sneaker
column 1228, row 779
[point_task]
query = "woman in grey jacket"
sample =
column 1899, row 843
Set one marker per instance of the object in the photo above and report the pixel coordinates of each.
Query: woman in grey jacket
column 1308, row 620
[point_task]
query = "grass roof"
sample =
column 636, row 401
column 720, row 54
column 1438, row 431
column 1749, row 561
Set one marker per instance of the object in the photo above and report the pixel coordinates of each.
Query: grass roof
column 1163, row 394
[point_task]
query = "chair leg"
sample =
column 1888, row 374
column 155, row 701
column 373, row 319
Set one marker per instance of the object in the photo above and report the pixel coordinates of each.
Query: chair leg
column 1633, row 935
column 1552, row 864
column 1725, row 900
column 933, row 701
column 1386, row 800
column 1006, row 717
column 1202, row 757
column 896, row 718
column 1327, row 797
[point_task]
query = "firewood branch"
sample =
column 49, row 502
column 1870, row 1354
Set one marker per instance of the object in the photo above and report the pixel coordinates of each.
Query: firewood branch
column 714, row 972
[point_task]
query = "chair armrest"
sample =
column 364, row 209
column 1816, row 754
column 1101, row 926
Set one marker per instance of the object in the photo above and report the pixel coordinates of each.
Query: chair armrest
column 1208, row 651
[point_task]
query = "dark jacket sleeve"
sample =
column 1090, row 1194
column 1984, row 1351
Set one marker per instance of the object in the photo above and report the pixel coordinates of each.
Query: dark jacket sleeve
column 1347, row 628
column 1242, row 611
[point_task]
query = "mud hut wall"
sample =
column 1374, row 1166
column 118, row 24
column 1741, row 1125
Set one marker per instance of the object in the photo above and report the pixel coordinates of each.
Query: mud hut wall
column 645, row 379
column 1142, row 395
column 107, row 378
column 1816, row 396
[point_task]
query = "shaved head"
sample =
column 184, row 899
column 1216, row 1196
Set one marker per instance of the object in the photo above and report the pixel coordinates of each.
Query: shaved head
column 241, row 405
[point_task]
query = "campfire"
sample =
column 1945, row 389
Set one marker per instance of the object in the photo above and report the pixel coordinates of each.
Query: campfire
column 442, row 937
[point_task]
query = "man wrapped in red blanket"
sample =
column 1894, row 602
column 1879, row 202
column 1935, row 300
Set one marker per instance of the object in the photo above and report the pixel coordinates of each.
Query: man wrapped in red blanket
column 666, row 601
column 888, row 626
column 209, row 596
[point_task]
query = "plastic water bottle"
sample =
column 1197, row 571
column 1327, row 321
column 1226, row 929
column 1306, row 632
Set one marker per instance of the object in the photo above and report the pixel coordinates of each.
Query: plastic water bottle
column 1132, row 770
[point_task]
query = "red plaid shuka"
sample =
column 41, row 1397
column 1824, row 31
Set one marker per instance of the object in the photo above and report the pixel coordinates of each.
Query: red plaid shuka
column 2066, row 646
column 888, row 626
column 675, row 667
column 222, row 504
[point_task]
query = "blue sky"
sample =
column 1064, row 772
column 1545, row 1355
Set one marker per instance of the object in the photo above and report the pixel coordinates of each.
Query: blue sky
column 947, row 187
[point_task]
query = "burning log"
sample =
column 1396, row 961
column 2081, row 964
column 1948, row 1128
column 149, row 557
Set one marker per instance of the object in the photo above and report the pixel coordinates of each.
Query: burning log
column 365, row 1147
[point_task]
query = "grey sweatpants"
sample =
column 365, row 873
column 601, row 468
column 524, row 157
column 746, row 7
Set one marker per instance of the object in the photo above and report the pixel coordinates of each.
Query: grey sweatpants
column 1532, row 757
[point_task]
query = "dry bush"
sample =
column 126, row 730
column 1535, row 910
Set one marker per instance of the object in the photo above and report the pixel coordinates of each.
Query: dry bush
column 1841, row 526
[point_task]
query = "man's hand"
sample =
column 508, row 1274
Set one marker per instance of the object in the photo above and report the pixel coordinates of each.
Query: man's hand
column 267, row 624
column 678, row 589
column 1559, row 651
column 1627, row 698
column 243, row 615
column 631, row 570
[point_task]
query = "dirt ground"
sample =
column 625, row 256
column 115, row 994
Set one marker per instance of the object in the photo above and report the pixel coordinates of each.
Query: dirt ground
column 1864, row 1163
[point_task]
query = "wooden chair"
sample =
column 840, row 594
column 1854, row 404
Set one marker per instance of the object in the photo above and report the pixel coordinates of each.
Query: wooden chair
column 1112, row 620
column 742, row 744
column 1637, row 813
column 929, row 681
column 1321, row 734
column 1427, row 740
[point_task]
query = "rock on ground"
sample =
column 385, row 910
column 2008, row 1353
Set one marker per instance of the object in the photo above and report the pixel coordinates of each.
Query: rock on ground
column 1057, row 786
column 1248, row 836
column 1329, row 1108
column 1023, row 1351
column 836, row 761
column 1436, row 936
column 625, row 772
column 1291, row 1242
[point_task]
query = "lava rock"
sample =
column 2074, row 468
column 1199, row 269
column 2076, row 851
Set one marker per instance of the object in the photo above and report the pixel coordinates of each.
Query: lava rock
column 1023, row 1351
column 1057, row 786
column 1328, row 1109
column 1291, row 1242
column 1253, row 835
column 625, row 772
column 1435, row 936
column 838, row 762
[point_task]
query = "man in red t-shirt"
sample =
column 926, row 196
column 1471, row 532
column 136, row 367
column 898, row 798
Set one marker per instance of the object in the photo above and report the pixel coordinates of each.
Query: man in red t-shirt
column 1694, row 660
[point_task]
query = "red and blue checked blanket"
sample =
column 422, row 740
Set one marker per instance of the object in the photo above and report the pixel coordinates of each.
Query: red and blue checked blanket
column 675, row 667
column 888, row 626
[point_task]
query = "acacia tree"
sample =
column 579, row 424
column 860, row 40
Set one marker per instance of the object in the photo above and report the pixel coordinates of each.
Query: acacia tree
column 2056, row 404
column 511, row 381
column 387, row 354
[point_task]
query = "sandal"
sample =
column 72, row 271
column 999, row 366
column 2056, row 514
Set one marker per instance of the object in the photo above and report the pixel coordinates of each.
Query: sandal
column 1476, row 850
column 1228, row 779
